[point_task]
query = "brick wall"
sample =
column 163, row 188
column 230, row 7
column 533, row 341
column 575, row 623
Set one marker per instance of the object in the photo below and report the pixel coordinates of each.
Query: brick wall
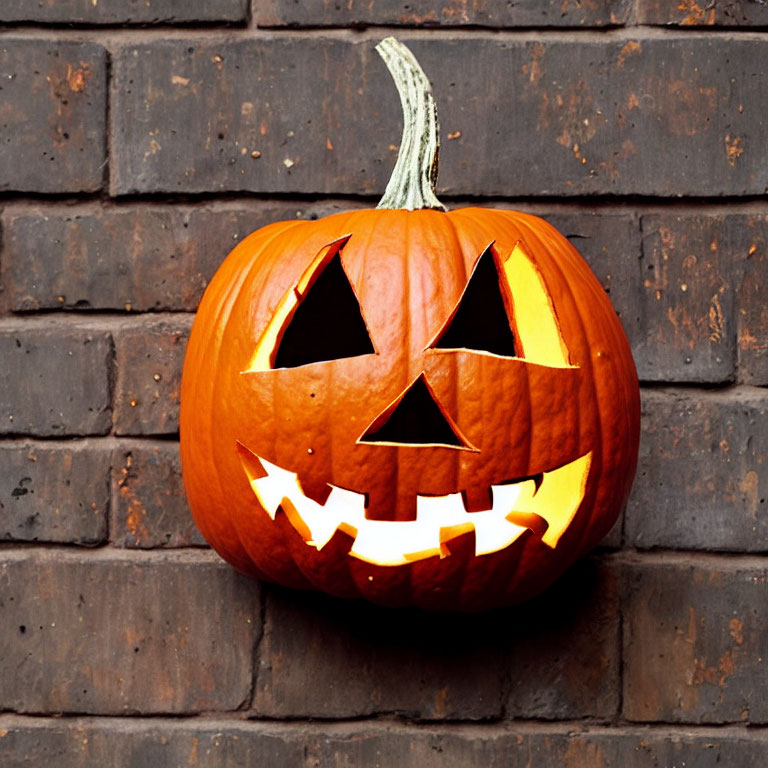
column 139, row 141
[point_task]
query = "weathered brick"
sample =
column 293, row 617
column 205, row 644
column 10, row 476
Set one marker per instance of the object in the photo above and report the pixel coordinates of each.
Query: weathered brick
column 53, row 120
column 149, row 359
column 118, row 633
column 54, row 493
column 694, row 640
column 149, row 508
column 363, row 660
column 142, row 258
column 123, row 743
column 705, row 286
column 702, row 479
column 689, row 304
column 751, row 249
column 449, row 13
column 695, row 13
column 534, row 118
column 523, row 747
column 123, row 11
column 547, row 641
column 54, row 380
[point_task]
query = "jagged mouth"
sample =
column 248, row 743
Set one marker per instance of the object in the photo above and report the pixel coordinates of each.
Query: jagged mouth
column 545, row 508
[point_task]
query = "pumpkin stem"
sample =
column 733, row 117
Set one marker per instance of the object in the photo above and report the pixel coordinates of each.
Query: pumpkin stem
column 412, row 184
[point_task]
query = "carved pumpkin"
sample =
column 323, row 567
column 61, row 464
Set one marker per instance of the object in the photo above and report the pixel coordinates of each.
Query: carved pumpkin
column 406, row 404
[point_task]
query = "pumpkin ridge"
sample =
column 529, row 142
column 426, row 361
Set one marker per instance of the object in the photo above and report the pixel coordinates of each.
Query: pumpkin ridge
column 623, row 367
column 616, row 382
column 223, row 307
column 597, row 466
column 223, row 320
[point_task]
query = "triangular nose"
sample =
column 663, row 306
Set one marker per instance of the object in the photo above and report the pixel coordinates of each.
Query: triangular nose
column 414, row 418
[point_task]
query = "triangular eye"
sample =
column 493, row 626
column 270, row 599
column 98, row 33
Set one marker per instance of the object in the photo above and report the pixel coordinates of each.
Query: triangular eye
column 480, row 321
column 327, row 324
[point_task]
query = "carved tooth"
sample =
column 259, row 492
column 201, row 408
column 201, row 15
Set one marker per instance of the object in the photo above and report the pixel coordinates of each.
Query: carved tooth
column 271, row 489
column 296, row 519
column 448, row 533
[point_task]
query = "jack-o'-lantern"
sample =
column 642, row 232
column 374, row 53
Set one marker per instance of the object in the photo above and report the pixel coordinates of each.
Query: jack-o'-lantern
column 414, row 406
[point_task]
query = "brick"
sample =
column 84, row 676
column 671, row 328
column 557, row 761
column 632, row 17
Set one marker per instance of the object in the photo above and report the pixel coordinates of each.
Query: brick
column 142, row 258
column 54, row 380
column 54, row 494
column 149, row 508
column 53, row 120
column 449, row 13
column 752, row 315
column 710, row 273
column 689, row 304
column 664, row 116
column 365, row 661
column 551, row 637
column 116, row 634
column 694, row 640
column 702, row 479
column 75, row 742
column 547, row 747
column 124, row 12
column 694, row 13
column 149, row 359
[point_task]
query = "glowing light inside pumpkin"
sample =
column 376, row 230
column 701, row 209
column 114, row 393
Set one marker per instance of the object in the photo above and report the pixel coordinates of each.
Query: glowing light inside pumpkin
column 534, row 312
column 439, row 519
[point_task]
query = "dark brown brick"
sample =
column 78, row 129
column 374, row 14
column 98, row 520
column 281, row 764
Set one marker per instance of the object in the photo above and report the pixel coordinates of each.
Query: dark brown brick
column 123, row 11
column 53, row 119
column 689, row 304
column 54, row 493
column 54, row 380
column 694, row 642
column 524, row 747
column 554, row 118
column 364, row 660
column 149, row 508
column 562, row 650
column 697, row 13
column 752, row 315
column 142, row 258
column 149, row 359
column 118, row 634
column 137, row 743
column 705, row 280
column 702, row 480
column 449, row 13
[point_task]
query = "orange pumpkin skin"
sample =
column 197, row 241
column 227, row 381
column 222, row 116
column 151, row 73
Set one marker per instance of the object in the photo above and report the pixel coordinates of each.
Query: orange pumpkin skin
column 408, row 270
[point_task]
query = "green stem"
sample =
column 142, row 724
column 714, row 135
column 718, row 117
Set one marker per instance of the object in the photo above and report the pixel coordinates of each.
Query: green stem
column 413, row 180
